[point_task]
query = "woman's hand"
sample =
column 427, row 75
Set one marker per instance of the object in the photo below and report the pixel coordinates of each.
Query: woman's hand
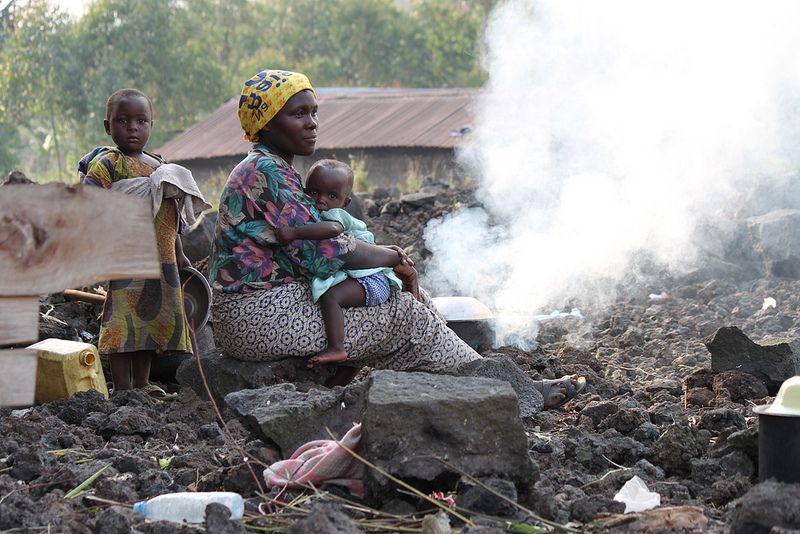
column 401, row 253
column 408, row 276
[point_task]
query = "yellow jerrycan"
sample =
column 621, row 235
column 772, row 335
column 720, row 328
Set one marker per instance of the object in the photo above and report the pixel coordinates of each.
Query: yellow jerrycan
column 66, row 367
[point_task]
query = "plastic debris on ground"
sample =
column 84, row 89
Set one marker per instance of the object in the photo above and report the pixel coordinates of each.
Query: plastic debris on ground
column 637, row 497
column 556, row 314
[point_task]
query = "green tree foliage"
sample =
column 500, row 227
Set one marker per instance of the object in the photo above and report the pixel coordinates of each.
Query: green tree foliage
column 189, row 56
column 445, row 43
column 155, row 48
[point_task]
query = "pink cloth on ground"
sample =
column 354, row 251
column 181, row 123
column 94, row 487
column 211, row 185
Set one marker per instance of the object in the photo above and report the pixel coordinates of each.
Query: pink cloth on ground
column 320, row 462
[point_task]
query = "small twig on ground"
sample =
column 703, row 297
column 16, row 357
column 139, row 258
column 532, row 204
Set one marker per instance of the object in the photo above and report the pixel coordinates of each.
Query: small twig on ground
column 512, row 502
column 86, row 483
column 222, row 421
column 401, row 483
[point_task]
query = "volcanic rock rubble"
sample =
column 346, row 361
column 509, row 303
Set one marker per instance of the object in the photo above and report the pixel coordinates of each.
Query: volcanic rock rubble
column 654, row 407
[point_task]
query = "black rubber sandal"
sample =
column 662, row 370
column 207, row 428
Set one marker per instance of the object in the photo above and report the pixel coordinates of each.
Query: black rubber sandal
column 570, row 390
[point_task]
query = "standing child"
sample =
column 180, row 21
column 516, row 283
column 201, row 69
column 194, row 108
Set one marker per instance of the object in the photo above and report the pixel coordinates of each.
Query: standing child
column 330, row 184
column 141, row 318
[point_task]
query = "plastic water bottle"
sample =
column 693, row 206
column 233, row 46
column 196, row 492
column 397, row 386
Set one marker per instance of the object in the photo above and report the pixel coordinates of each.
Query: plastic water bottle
column 189, row 507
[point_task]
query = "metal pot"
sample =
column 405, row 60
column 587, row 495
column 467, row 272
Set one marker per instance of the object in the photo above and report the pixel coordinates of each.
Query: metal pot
column 779, row 435
column 469, row 318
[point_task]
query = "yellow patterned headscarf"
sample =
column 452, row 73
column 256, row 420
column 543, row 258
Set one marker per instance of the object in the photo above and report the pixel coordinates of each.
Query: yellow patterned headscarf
column 264, row 95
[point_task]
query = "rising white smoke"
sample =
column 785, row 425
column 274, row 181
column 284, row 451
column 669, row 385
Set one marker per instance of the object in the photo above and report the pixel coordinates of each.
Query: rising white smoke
column 606, row 132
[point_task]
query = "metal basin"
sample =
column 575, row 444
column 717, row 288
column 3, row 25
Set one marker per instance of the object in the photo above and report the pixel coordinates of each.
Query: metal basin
column 469, row 318
column 196, row 297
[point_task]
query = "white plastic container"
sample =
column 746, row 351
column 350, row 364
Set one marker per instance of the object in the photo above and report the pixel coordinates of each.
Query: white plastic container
column 189, row 507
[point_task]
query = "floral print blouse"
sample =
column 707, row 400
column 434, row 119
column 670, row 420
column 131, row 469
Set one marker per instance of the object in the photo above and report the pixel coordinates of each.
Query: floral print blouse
column 264, row 192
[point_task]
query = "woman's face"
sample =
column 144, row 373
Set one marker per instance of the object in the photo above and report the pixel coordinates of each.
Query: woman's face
column 293, row 130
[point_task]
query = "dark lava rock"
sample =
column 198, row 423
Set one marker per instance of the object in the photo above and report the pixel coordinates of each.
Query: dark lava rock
column 646, row 433
column 324, row 519
column 594, row 451
column 625, row 420
column 225, row 374
column 114, row 520
column 218, row 520
column 132, row 464
column 584, row 510
column 675, row 449
column 596, row 411
column 724, row 491
column 119, row 489
column 127, row 420
column 75, row 409
column 413, row 418
column 738, row 387
column 766, row 505
column 735, row 463
column 479, row 499
column 27, row 464
column 716, row 420
column 699, row 378
column 772, row 361
column 154, row 482
column 700, row 397
column 502, row 367
column 291, row 418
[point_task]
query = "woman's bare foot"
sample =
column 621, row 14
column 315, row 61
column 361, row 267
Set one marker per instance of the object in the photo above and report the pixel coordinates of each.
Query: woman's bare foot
column 558, row 391
column 329, row 355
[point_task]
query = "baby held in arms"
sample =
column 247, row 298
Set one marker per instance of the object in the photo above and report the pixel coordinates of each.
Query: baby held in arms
column 330, row 184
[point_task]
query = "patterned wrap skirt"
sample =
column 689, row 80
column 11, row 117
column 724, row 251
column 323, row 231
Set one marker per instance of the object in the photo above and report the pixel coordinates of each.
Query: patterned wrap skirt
column 148, row 315
column 401, row 334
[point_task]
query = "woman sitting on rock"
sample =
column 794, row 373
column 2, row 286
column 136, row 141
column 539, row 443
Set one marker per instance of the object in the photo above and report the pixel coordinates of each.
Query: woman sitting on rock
column 262, row 305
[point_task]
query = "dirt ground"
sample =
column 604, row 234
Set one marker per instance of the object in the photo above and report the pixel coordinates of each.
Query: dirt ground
column 651, row 408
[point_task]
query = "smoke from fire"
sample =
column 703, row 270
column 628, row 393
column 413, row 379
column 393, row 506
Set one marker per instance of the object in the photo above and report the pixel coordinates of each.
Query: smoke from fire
column 605, row 134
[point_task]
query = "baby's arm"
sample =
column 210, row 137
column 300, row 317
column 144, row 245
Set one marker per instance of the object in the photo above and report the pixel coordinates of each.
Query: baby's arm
column 311, row 231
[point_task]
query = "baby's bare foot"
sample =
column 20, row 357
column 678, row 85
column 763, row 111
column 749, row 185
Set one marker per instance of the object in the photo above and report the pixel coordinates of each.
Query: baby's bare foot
column 328, row 355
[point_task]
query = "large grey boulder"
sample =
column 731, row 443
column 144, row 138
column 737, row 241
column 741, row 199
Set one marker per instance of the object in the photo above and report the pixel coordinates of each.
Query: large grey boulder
column 291, row 418
column 502, row 367
column 420, row 199
column 726, row 250
column 413, row 418
column 767, row 507
column 198, row 240
column 225, row 374
column 772, row 361
column 777, row 236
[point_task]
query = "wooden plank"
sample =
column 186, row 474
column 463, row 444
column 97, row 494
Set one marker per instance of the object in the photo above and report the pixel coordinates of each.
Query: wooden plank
column 57, row 236
column 19, row 320
column 18, row 377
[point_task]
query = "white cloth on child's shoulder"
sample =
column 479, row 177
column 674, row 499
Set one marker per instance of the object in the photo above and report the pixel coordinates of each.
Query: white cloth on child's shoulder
column 167, row 181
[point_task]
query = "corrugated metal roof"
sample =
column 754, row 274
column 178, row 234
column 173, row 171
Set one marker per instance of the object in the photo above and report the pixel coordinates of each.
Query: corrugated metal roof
column 349, row 119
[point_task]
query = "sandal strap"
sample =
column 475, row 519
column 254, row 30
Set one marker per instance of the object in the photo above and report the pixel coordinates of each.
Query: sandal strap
column 570, row 389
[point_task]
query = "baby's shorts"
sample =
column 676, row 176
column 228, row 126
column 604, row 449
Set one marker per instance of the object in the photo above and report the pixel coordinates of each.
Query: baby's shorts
column 376, row 286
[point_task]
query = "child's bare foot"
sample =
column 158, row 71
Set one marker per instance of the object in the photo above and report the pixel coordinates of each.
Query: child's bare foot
column 328, row 355
column 408, row 276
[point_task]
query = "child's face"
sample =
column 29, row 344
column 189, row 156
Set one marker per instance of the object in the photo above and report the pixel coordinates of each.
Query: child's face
column 330, row 188
column 129, row 124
